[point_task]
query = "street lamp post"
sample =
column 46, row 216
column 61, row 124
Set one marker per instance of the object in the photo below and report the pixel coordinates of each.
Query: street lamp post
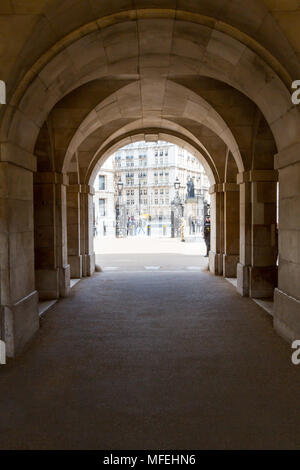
column 118, row 221
column 200, row 205
column 177, row 210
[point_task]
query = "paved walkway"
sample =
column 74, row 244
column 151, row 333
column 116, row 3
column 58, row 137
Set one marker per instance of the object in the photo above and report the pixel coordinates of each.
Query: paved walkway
column 152, row 360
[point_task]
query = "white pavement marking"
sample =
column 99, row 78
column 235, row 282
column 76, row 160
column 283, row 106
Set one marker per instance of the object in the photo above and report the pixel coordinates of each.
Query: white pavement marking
column 195, row 268
column 161, row 271
column 111, row 268
column 152, row 267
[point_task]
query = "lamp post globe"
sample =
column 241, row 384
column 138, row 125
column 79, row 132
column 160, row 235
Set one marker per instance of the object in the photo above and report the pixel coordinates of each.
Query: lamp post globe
column 177, row 184
column 120, row 186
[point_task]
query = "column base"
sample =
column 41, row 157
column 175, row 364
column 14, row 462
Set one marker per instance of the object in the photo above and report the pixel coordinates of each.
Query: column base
column 88, row 264
column 47, row 284
column 286, row 316
column 215, row 263
column 230, row 265
column 64, row 281
column 53, row 283
column 21, row 322
column 256, row 282
column 1, row 322
column 75, row 266
column 242, row 273
column 263, row 281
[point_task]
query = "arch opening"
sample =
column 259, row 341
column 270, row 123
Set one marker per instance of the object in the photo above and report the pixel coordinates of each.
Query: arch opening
column 250, row 83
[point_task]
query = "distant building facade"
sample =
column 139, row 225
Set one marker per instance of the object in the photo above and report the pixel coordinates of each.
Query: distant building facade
column 104, row 200
column 148, row 172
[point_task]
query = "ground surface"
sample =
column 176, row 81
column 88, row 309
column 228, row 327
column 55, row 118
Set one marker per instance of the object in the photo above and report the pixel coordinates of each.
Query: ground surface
column 152, row 359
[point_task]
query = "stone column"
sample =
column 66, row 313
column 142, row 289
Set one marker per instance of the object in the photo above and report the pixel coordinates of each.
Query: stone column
column 86, row 230
column 217, row 229
column 73, row 220
column 287, row 295
column 231, row 229
column 19, row 299
column 257, row 270
column 52, row 268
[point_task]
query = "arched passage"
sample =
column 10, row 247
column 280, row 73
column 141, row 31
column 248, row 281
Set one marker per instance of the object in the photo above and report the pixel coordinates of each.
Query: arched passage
column 193, row 47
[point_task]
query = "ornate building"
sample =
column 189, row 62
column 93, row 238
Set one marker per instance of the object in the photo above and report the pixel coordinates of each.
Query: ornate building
column 148, row 171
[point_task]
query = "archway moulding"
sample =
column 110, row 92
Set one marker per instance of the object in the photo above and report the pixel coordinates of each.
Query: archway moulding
column 150, row 134
column 190, row 106
column 242, row 66
column 149, row 13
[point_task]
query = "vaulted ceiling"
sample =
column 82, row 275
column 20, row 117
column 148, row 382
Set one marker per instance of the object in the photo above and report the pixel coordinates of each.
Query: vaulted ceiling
column 206, row 72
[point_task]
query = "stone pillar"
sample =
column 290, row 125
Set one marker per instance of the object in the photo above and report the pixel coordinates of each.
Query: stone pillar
column 19, row 299
column 257, row 270
column 217, row 229
column 73, row 220
column 51, row 263
column 86, row 230
column 287, row 295
column 231, row 229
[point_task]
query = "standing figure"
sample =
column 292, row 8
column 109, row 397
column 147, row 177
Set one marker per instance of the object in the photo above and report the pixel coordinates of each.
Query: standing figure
column 190, row 189
column 207, row 234
column 190, row 224
column 193, row 226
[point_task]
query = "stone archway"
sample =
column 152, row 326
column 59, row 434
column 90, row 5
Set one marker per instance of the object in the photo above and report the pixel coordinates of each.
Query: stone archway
column 160, row 45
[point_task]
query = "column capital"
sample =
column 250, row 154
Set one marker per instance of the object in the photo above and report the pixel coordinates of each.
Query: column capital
column 11, row 153
column 216, row 188
column 257, row 176
column 74, row 188
column 228, row 187
column 48, row 177
column 223, row 188
column 87, row 189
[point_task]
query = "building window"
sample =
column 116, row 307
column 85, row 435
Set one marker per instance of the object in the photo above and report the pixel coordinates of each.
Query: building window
column 101, row 182
column 101, row 207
